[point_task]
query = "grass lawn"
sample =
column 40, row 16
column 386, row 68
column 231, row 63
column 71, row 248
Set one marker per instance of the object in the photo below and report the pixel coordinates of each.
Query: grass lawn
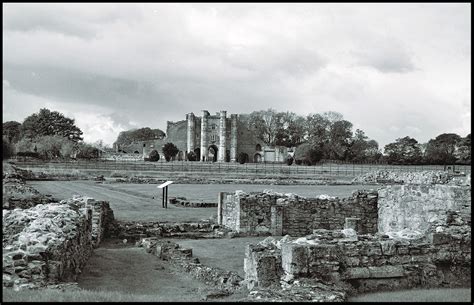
column 127, row 204
column 417, row 295
column 225, row 253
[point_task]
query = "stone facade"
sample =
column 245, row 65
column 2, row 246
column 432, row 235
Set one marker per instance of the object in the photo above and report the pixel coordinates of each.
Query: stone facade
column 280, row 214
column 218, row 137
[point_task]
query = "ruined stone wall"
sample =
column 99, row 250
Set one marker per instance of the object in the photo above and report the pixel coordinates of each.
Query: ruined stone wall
column 50, row 243
column 134, row 230
column 417, row 206
column 364, row 263
column 297, row 216
column 176, row 133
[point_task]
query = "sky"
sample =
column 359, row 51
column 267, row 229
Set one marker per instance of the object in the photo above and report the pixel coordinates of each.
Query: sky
column 393, row 70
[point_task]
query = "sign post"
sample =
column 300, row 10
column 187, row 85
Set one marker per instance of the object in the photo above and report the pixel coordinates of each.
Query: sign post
column 164, row 186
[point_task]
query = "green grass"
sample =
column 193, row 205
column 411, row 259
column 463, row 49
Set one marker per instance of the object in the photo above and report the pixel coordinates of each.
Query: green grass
column 417, row 295
column 54, row 295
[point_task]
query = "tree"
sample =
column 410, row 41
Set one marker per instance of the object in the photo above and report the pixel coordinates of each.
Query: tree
column 192, row 156
column 340, row 135
column 441, row 150
column 243, row 157
column 169, row 150
column 50, row 123
column 141, row 134
column 463, row 151
column 307, row 154
column 290, row 129
column 265, row 123
column 403, row 151
column 317, row 129
column 87, row 151
column 53, row 147
column 154, row 156
column 7, row 149
column 11, row 130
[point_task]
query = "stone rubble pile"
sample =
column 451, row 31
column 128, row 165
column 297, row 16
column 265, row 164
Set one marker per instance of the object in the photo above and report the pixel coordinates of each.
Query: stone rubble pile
column 392, row 177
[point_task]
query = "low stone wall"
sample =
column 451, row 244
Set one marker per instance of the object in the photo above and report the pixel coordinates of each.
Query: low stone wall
column 282, row 214
column 50, row 243
column 134, row 230
column 16, row 193
column 183, row 257
column 182, row 201
column 394, row 177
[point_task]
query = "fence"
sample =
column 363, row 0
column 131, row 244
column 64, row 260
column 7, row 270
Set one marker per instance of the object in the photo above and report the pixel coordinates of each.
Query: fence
column 328, row 169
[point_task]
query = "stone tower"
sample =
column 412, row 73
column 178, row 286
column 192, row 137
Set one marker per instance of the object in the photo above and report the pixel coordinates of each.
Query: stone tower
column 233, row 138
column 190, row 131
column 204, row 135
column 222, row 136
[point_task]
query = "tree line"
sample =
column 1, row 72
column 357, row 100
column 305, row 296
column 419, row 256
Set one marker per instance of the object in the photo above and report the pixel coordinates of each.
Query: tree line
column 46, row 135
column 51, row 135
column 329, row 136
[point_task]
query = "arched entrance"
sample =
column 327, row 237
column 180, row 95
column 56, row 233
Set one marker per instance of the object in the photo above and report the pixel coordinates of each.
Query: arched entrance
column 212, row 153
column 257, row 158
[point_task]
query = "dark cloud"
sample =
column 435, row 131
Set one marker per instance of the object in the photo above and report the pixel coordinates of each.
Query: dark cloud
column 118, row 66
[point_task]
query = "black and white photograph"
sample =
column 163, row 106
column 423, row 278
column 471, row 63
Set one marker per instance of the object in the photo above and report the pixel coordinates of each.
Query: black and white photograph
column 236, row 152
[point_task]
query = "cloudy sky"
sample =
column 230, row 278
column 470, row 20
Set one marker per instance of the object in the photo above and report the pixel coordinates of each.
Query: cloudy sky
column 391, row 69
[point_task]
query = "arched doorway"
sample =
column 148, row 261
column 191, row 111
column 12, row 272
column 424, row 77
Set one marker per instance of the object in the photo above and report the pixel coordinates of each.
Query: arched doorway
column 258, row 147
column 212, row 155
column 136, row 152
column 257, row 158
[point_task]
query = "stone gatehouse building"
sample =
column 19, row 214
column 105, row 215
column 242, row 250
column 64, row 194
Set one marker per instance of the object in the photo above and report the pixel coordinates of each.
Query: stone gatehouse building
column 217, row 137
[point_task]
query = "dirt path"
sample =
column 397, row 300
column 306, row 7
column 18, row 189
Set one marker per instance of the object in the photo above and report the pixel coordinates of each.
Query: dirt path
column 132, row 270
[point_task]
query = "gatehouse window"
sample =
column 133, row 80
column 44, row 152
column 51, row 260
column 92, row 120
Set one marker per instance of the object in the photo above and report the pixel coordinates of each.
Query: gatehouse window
column 258, row 147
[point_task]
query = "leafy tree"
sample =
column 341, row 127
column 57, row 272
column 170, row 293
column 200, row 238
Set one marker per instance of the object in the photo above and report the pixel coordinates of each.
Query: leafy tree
column 192, row 156
column 7, row 149
column 169, row 150
column 87, row 151
column 317, row 129
column 403, row 151
column 141, row 134
column 243, row 157
column 307, row 154
column 340, row 135
column 50, row 123
column 441, row 150
column 154, row 156
column 463, row 151
column 372, row 152
column 53, row 147
column 290, row 129
column 12, row 130
column 265, row 123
